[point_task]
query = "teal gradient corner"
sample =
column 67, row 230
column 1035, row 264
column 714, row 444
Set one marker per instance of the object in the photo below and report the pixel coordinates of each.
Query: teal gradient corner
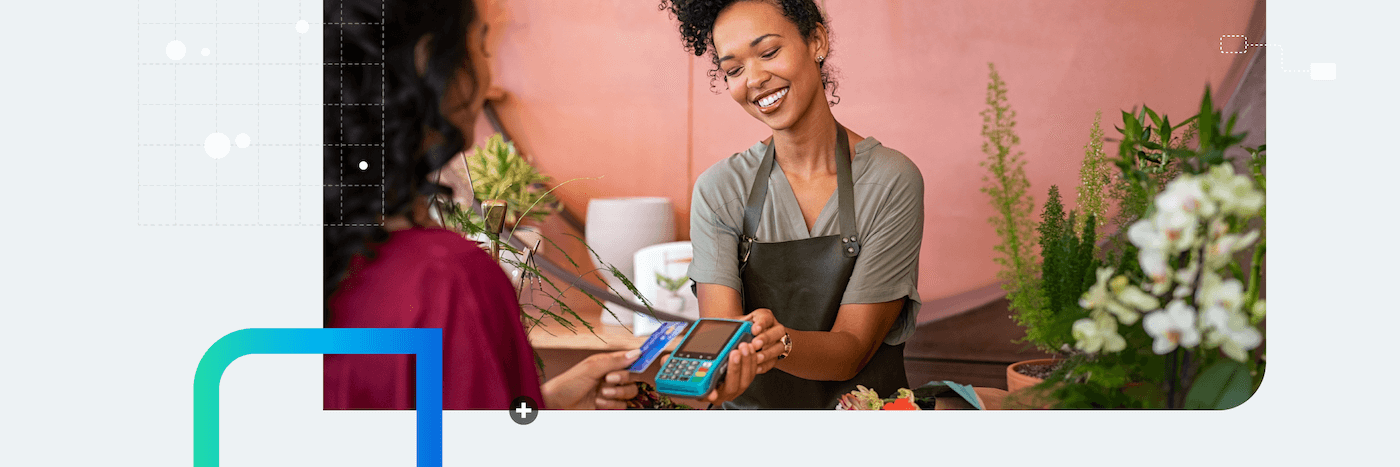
column 426, row 344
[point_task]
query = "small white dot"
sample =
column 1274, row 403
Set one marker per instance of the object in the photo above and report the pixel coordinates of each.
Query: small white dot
column 175, row 50
column 302, row 26
column 241, row 140
column 216, row 145
column 204, row 51
column 364, row 165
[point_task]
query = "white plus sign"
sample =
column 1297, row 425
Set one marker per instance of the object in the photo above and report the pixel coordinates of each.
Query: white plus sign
column 523, row 410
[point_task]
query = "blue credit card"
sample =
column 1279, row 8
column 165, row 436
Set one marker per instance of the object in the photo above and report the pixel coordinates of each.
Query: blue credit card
column 652, row 348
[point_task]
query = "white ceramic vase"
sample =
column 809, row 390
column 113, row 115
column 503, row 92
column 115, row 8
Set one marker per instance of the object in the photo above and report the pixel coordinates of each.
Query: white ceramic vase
column 616, row 229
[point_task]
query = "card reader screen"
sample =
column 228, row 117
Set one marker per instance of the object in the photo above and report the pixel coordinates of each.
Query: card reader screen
column 707, row 339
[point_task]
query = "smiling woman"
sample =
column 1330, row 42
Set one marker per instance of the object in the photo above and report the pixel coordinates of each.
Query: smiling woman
column 697, row 18
column 825, row 263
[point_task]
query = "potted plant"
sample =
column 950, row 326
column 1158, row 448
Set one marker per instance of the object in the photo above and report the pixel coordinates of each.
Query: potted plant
column 1041, row 288
column 1175, row 318
column 1075, row 294
column 496, row 171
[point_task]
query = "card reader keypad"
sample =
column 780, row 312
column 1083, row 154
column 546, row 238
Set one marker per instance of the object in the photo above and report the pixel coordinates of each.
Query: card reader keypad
column 683, row 369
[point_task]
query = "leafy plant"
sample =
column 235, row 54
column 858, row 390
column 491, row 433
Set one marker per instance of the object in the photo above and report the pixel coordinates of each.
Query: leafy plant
column 669, row 283
column 555, row 309
column 1175, row 271
column 1095, row 175
column 1067, row 270
column 497, row 171
column 1006, row 184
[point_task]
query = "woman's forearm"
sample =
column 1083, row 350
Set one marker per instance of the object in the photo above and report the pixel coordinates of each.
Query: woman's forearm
column 825, row 356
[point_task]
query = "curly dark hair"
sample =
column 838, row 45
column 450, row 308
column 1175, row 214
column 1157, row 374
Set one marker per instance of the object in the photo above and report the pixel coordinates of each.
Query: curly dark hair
column 697, row 23
column 378, row 110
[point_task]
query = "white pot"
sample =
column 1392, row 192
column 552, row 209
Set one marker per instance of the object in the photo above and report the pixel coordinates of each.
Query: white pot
column 616, row 229
column 671, row 260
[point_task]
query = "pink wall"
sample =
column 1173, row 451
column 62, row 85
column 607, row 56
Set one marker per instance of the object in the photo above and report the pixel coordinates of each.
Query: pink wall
column 603, row 88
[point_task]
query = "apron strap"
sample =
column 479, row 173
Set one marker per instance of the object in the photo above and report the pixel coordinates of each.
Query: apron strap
column 753, row 210
column 845, row 198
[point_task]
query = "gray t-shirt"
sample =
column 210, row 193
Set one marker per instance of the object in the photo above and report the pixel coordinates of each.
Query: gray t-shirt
column 889, row 192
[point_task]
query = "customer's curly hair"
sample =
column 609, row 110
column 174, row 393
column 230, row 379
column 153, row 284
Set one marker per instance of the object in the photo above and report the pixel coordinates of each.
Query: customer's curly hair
column 378, row 110
column 697, row 23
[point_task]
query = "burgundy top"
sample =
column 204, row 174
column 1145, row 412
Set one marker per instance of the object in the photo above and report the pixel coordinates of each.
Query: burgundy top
column 432, row 278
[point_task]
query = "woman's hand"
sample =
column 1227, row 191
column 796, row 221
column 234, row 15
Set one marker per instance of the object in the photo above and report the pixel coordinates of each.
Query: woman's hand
column 600, row 381
column 768, row 338
column 743, row 365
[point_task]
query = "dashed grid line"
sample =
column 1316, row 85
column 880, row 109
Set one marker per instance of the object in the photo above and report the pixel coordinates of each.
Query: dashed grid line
column 1247, row 45
column 301, row 120
column 138, row 112
column 175, row 72
column 383, row 98
column 340, row 42
column 216, row 111
column 257, row 117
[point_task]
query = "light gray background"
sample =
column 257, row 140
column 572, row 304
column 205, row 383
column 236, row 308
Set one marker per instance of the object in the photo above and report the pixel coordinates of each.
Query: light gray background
column 104, row 320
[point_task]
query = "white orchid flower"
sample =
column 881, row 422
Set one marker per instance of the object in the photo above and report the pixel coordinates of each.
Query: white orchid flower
column 1094, row 335
column 1235, row 193
column 1217, row 176
column 1173, row 326
column 1097, row 296
column 1232, row 333
column 1227, row 294
column 1179, row 228
column 1154, row 265
column 1219, row 252
column 1128, row 300
column 1184, row 194
column 1214, row 318
column 1217, row 227
column 1144, row 235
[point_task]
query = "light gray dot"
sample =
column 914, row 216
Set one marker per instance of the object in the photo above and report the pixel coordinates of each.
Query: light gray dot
column 216, row 145
column 175, row 50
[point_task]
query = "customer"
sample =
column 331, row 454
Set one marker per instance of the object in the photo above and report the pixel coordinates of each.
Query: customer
column 403, row 85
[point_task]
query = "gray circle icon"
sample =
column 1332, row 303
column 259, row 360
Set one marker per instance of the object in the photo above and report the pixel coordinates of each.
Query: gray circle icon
column 523, row 410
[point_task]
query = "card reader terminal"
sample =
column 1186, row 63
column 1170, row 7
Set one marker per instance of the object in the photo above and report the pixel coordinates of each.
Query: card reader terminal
column 699, row 362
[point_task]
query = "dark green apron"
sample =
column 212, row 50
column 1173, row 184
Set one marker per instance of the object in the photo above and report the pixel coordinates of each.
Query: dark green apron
column 802, row 281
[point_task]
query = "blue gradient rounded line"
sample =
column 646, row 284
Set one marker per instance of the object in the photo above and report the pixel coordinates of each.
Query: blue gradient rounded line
column 426, row 344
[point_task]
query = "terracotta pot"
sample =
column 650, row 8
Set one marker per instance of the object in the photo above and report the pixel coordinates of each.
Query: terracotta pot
column 1017, row 381
column 1020, row 392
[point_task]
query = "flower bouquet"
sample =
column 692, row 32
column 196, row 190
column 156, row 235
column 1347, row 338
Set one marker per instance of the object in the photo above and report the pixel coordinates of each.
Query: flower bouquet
column 863, row 398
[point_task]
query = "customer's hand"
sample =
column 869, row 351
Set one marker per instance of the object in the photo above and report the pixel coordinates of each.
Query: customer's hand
column 600, row 381
column 743, row 365
column 768, row 338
